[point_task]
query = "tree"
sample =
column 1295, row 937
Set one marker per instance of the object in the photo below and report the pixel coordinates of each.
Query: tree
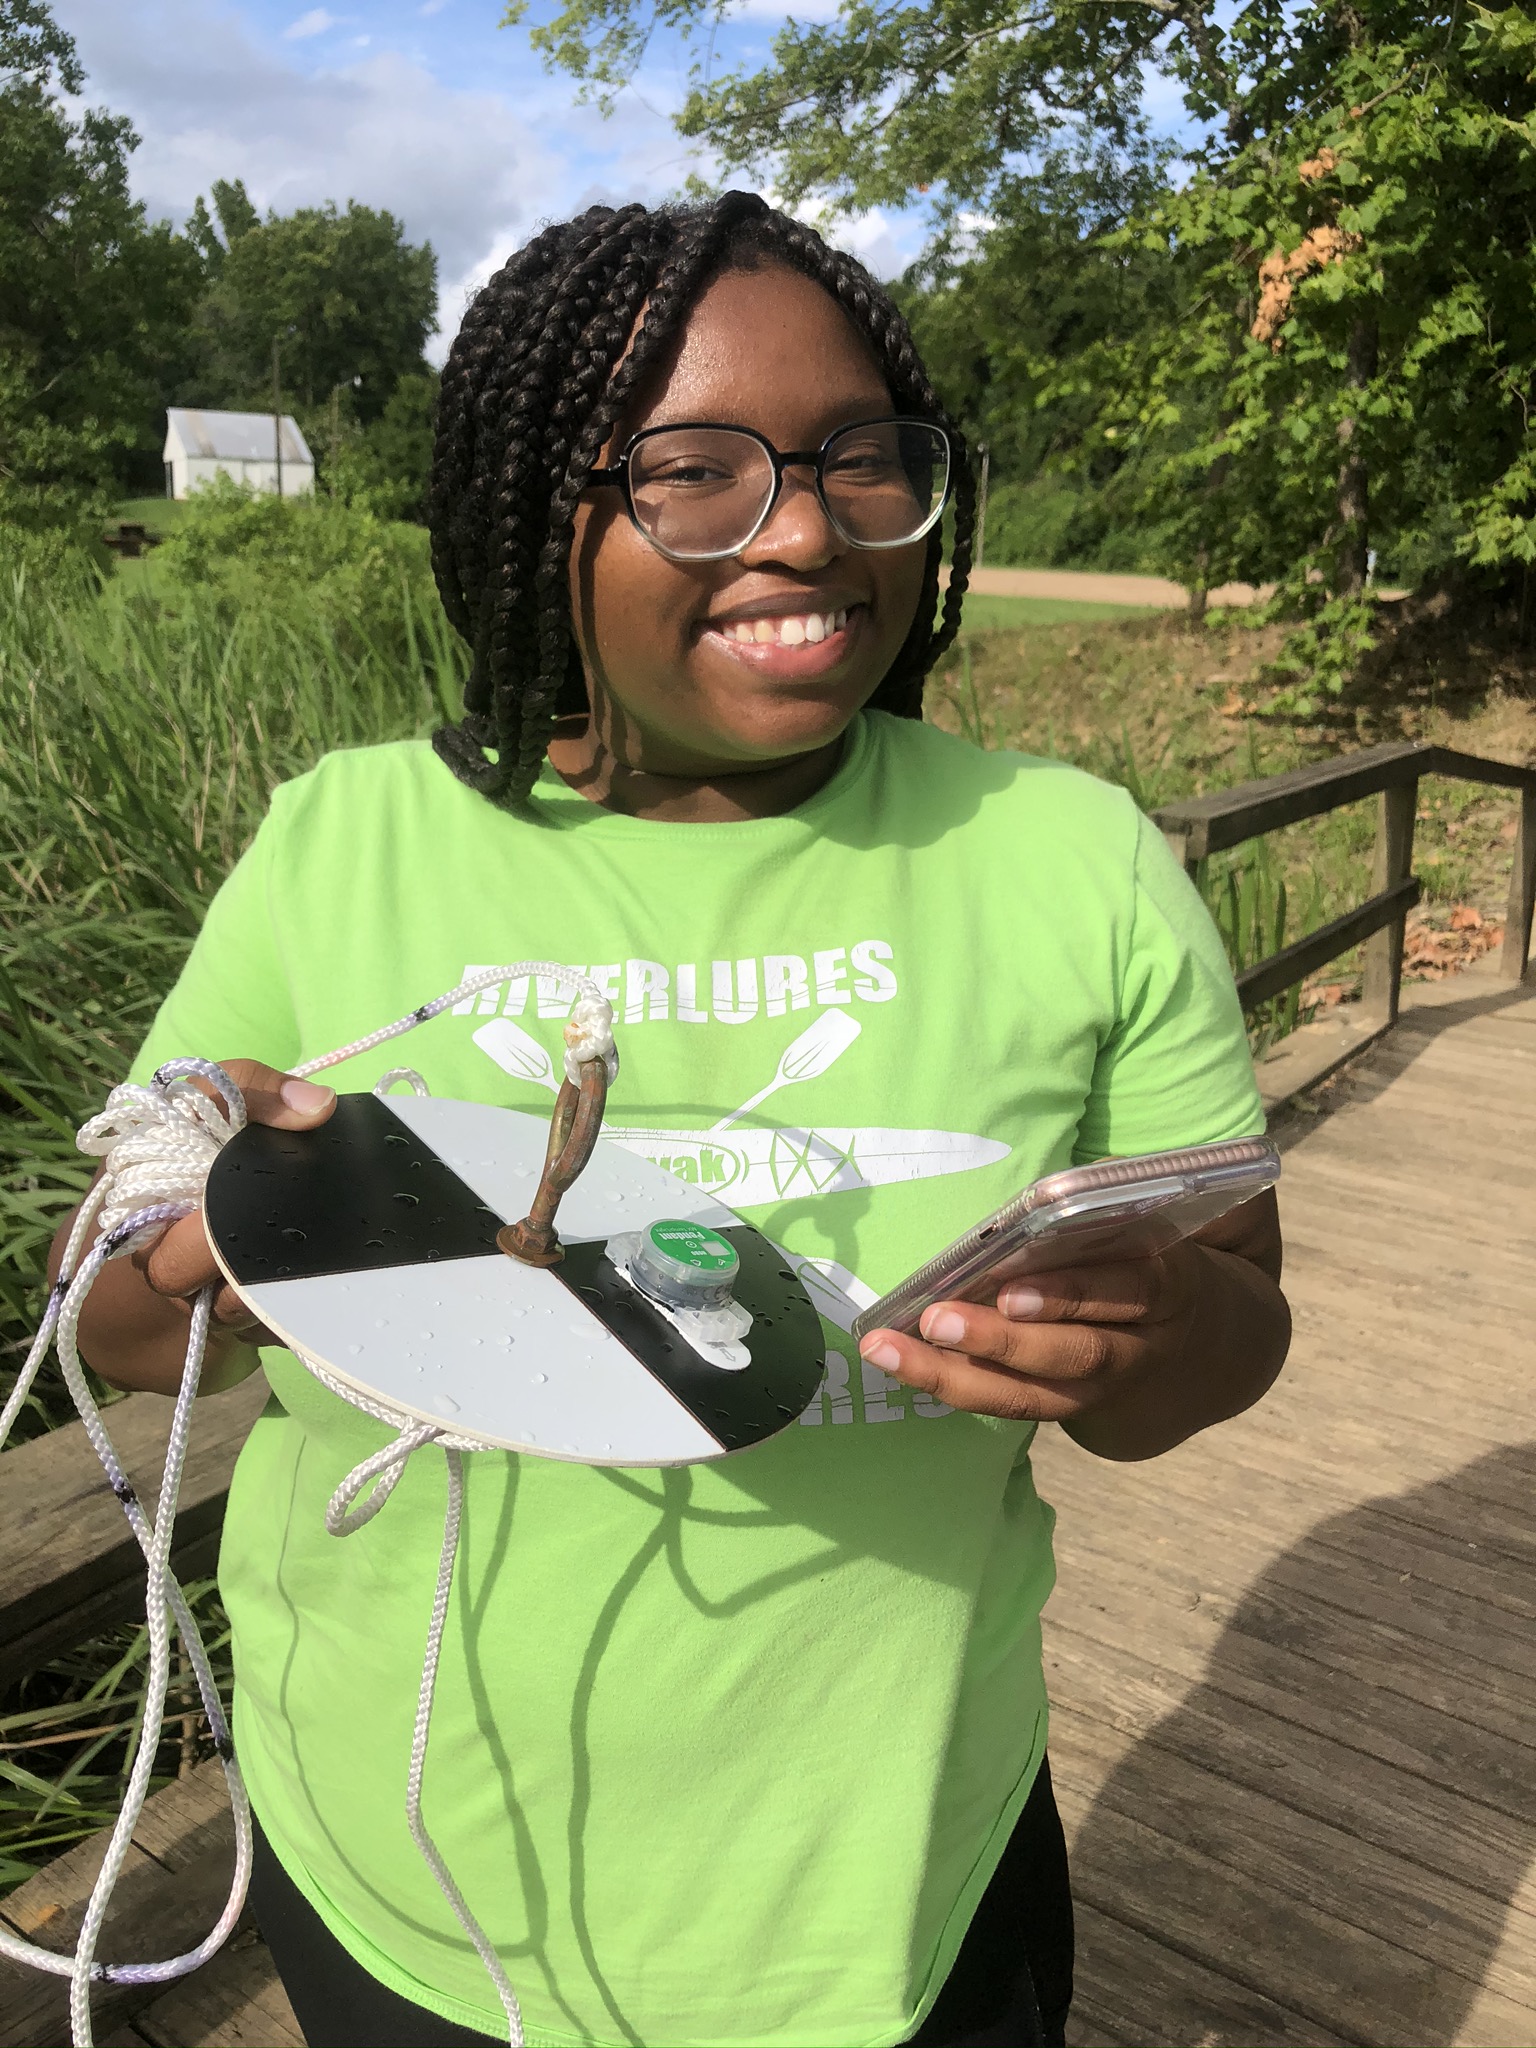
column 1341, row 359
column 93, row 301
column 350, row 301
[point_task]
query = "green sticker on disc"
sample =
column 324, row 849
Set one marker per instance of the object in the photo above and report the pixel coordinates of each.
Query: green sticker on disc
column 695, row 1245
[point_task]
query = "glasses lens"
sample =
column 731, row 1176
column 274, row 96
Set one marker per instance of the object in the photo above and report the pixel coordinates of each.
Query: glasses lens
column 886, row 483
column 699, row 491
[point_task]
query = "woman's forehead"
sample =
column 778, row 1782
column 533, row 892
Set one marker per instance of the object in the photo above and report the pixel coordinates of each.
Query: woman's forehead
column 765, row 348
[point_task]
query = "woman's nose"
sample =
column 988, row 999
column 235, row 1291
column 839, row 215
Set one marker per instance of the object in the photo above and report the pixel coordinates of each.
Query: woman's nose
column 797, row 532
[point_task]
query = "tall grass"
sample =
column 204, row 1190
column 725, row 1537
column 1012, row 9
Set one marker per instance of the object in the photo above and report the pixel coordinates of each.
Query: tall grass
column 143, row 732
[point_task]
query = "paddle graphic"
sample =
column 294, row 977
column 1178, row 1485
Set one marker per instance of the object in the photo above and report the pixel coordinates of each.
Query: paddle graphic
column 802, row 1060
column 517, row 1052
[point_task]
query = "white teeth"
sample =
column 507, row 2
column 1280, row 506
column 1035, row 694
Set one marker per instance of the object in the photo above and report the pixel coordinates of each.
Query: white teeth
column 794, row 631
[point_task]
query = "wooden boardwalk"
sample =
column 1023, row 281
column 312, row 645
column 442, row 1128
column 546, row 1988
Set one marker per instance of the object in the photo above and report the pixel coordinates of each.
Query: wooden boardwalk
column 1293, row 1665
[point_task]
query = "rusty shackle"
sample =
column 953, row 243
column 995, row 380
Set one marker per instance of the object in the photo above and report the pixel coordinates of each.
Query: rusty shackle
column 573, row 1131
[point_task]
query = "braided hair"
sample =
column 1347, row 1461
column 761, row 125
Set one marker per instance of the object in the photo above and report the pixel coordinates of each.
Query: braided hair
column 535, row 383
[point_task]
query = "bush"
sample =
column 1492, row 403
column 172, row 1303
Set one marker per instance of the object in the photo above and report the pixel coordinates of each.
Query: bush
column 1050, row 523
column 248, row 551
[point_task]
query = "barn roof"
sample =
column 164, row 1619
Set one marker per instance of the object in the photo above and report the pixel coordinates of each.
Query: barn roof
column 233, row 436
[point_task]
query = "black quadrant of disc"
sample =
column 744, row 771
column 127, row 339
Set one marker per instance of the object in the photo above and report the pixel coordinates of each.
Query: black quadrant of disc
column 360, row 1193
column 784, row 1343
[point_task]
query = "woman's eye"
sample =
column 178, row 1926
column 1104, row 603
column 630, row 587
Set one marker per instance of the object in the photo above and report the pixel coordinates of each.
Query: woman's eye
column 699, row 471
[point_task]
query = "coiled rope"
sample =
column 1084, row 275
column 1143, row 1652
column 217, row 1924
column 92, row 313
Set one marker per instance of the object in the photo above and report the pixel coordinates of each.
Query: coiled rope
column 156, row 1145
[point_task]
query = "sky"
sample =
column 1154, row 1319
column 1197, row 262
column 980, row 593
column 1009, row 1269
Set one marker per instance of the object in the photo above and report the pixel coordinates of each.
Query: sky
column 423, row 107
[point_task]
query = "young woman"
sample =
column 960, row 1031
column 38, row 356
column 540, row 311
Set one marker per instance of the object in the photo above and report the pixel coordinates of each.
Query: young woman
column 753, row 1752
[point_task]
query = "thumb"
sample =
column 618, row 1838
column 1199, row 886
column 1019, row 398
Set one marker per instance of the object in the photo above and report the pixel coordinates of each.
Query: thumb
column 281, row 1100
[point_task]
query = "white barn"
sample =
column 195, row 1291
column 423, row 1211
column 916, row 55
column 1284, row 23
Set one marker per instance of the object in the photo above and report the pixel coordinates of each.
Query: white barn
column 202, row 445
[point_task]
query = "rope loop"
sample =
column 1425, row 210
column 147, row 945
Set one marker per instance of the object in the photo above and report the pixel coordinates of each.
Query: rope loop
column 384, row 1469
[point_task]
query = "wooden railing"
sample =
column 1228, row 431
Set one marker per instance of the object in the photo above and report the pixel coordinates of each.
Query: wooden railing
column 1210, row 824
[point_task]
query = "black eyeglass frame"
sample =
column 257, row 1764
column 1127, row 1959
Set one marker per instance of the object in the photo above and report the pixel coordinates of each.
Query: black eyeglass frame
column 617, row 473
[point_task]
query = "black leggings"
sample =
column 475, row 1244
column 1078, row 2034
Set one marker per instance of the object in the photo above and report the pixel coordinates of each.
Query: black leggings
column 1010, row 1986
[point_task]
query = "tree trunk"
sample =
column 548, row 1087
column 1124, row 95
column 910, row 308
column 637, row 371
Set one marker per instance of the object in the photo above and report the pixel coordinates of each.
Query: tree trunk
column 1354, row 474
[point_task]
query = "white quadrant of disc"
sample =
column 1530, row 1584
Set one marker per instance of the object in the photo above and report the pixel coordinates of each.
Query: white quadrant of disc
column 487, row 1348
column 500, row 1154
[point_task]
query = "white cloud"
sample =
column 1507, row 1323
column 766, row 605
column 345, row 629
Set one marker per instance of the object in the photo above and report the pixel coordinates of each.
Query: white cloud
column 431, row 7
column 473, row 171
column 315, row 23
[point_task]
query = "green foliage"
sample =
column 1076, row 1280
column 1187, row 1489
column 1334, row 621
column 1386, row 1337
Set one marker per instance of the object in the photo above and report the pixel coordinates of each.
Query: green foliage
column 234, row 547
column 147, row 720
column 350, row 301
column 66, row 1730
column 94, row 303
column 382, row 468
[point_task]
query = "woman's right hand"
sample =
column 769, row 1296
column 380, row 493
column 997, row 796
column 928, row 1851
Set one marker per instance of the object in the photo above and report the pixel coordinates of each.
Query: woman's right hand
column 133, row 1325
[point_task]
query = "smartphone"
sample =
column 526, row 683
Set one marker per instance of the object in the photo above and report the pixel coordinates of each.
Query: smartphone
column 1084, row 1216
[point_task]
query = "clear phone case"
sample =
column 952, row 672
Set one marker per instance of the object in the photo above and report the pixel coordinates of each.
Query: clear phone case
column 1084, row 1215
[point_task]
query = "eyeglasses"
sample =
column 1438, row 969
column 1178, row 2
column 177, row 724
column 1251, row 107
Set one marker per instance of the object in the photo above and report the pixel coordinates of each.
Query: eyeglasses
column 701, row 492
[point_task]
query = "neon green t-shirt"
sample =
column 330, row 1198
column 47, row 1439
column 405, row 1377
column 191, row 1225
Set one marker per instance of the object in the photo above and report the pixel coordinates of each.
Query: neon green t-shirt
column 726, row 1753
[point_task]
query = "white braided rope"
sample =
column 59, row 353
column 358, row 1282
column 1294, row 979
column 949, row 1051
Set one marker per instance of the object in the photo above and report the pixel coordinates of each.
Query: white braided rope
column 156, row 1145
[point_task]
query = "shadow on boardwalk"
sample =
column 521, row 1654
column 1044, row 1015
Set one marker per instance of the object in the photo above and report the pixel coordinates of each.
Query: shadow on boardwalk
column 1323, row 1840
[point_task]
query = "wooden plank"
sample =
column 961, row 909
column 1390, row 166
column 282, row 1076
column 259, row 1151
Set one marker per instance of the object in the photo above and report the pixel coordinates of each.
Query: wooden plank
column 1333, row 1639
column 1365, row 1891
column 1522, row 894
column 1194, row 1647
column 236, row 2001
column 1268, row 1751
column 73, row 1568
column 1382, row 970
column 1295, row 962
column 1133, row 1990
column 164, row 1904
column 1226, row 817
column 1226, row 1917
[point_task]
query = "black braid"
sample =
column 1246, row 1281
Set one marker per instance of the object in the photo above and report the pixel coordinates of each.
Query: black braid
column 536, row 381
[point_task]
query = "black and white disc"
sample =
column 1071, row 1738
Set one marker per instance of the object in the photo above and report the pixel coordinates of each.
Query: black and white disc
column 369, row 1246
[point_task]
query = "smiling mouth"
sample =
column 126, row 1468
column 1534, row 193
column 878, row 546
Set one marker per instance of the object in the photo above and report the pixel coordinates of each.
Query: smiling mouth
column 792, row 629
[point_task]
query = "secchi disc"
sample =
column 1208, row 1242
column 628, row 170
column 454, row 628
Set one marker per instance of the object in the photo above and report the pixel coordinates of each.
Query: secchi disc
column 369, row 1246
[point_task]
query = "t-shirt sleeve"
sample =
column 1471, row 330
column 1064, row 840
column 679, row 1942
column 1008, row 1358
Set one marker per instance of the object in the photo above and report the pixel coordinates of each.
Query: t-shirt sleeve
column 1175, row 1069
column 232, row 999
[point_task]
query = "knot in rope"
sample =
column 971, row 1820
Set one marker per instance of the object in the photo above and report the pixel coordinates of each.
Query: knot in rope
column 157, row 1143
column 589, row 1036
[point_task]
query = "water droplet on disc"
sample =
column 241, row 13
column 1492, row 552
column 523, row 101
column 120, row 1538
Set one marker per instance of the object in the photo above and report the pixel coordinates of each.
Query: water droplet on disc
column 540, row 1378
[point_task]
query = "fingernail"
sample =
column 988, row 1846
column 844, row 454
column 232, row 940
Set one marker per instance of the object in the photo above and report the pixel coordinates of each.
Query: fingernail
column 881, row 1352
column 306, row 1096
column 1020, row 1302
column 943, row 1326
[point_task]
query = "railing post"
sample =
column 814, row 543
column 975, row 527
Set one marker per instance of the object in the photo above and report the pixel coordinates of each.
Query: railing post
column 1181, row 844
column 1522, row 893
column 1393, row 863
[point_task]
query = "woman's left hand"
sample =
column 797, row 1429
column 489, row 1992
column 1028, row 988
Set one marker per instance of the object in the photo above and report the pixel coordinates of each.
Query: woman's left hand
column 1130, row 1357
column 1054, row 1347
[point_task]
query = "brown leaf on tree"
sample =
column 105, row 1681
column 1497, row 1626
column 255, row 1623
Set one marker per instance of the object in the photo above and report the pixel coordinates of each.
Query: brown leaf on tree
column 1280, row 272
column 1317, row 166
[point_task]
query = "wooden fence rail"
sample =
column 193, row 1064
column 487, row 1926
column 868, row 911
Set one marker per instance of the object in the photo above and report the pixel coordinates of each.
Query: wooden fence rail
column 1204, row 825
